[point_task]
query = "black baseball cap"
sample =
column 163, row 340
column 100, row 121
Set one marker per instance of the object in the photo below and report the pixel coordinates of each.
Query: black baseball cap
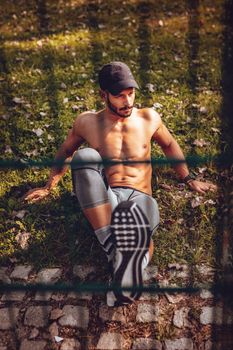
column 115, row 77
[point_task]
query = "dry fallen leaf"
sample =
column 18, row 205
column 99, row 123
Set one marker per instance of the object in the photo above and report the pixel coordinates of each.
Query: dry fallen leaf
column 32, row 153
column 169, row 92
column 4, row 116
column 50, row 138
column 200, row 143
column 40, row 43
column 202, row 170
column 38, row 132
column 75, row 108
column 8, row 149
column 58, row 339
column 161, row 24
column 174, row 299
column 210, row 201
column 157, row 105
column 215, row 130
column 203, row 110
column 150, row 87
column 177, row 58
column 18, row 100
column 196, row 202
column 22, row 239
column 63, row 86
column 20, row 214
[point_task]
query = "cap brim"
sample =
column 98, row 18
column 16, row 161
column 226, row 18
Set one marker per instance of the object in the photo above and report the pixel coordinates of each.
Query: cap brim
column 122, row 85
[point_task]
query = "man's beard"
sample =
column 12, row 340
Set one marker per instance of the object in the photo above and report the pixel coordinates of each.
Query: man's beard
column 116, row 111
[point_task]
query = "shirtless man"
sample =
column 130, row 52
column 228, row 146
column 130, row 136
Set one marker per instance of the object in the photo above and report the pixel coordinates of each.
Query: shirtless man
column 116, row 199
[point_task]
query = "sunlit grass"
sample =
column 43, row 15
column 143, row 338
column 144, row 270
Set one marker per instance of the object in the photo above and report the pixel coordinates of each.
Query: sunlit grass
column 54, row 76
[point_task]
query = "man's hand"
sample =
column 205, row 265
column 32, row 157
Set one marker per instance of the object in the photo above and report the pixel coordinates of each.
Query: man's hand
column 36, row 194
column 201, row 186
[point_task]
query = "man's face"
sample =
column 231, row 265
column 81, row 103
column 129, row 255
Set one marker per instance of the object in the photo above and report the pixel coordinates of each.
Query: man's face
column 121, row 104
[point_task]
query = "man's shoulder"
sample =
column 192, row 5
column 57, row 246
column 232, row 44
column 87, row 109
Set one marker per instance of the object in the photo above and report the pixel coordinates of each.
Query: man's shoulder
column 86, row 117
column 149, row 114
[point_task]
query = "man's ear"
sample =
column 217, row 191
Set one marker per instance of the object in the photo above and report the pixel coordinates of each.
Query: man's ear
column 103, row 94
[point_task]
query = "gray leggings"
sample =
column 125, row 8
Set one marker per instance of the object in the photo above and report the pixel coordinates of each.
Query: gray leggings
column 91, row 187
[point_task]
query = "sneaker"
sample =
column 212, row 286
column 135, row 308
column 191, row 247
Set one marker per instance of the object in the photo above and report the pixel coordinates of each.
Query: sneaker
column 111, row 297
column 131, row 234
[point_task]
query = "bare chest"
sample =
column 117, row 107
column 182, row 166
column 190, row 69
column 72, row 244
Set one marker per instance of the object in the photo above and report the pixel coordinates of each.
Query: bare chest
column 121, row 141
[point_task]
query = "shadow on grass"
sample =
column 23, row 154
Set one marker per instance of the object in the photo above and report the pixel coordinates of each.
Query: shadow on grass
column 222, row 334
column 43, row 17
column 93, row 25
column 53, row 19
column 59, row 233
column 6, row 92
column 48, row 67
column 145, row 10
column 193, row 44
column 60, row 236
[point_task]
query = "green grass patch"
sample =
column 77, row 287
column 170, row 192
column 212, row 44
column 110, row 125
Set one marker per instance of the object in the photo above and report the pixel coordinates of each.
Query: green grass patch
column 48, row 75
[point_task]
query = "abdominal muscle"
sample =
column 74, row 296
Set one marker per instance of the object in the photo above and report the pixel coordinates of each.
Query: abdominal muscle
column 124, row 140
column 137, row 176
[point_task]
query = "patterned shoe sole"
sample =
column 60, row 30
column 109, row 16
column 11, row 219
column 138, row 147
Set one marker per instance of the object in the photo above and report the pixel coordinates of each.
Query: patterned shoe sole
column 131, row 232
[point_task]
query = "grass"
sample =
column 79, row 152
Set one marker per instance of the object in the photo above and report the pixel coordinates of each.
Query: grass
column 49, row 62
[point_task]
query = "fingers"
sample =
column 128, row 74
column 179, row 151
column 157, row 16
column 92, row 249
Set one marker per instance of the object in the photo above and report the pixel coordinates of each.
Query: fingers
column 31, row 198
column 209, row 187
column 202, row 187
column 27, row 195
column 35, row 195
column 200, row 190
column 212, row 187
column 194, row 185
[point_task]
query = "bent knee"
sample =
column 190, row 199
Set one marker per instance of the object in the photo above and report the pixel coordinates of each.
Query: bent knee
column 86, row 157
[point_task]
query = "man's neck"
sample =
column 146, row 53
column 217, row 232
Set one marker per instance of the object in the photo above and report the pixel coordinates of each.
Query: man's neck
column 114, row 117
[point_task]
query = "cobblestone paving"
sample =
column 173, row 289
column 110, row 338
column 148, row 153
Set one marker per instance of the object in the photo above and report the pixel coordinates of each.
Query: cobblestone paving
column 70, row 320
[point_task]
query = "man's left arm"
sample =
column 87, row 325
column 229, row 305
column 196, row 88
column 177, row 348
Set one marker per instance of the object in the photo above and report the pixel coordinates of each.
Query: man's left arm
column 172, row 149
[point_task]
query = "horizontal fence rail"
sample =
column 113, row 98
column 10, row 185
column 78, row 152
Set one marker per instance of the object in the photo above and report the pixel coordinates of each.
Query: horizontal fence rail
column 223, row 289
column 223, row 159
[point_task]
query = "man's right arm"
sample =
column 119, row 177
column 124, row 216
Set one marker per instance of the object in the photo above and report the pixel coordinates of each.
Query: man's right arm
column 65, row 152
